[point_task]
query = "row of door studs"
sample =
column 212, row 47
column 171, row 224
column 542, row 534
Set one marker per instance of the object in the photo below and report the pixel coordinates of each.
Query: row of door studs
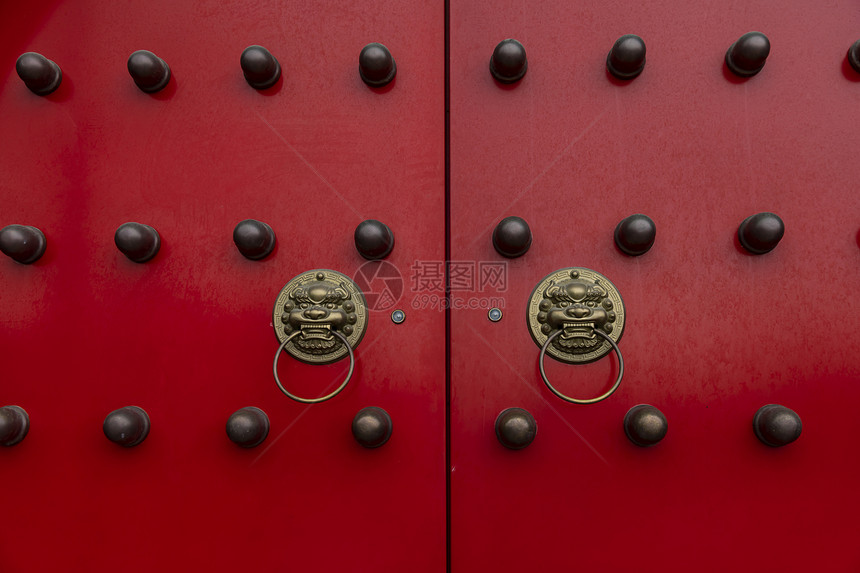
column 516, row 428
column 376, row 66
column 374, row 240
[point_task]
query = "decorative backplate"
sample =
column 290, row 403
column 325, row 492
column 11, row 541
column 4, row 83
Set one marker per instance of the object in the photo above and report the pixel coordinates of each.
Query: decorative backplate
column 315, row 303
column 576, row 301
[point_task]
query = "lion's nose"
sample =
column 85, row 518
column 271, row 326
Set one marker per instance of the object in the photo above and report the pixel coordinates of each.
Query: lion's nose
column 315, row 313
column 578, row 311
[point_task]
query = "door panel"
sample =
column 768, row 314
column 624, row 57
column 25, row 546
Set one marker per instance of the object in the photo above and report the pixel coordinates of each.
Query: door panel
column 188, row 336
column 712, row 332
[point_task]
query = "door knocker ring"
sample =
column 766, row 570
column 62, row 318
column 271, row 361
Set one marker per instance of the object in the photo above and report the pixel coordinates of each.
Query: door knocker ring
column 327, row 396
column 576, row 315
column 603, row 396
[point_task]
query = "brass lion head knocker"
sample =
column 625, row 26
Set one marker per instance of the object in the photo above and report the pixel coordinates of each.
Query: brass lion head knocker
column 320, row 316
column 576, row 315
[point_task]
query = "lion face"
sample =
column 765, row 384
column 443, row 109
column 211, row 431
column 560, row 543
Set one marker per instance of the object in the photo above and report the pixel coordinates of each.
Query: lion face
column 315, row 309
column 576, row 307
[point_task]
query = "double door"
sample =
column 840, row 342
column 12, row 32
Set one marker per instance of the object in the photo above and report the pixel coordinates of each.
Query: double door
column 442, row 155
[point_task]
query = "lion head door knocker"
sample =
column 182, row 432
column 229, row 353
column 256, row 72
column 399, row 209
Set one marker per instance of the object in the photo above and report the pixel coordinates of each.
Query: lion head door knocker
column 576, row 315
column 320, row 316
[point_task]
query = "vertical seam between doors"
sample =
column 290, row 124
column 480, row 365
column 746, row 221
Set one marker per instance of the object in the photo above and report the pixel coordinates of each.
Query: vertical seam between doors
column 447, row 23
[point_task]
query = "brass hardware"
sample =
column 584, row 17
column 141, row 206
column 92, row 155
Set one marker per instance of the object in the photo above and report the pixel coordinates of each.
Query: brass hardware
column 576, row 315
column 566, row 398
column 315, row 305
column 319, row 317
column 578, row 304
column 322, row 398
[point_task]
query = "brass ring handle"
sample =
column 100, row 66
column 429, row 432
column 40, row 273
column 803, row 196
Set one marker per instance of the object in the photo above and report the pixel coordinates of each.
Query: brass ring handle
column 324, row 398
column 575, row 400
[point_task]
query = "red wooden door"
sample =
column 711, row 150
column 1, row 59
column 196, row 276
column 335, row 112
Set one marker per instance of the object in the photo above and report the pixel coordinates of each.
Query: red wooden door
column 188, row 335
column 712, row 333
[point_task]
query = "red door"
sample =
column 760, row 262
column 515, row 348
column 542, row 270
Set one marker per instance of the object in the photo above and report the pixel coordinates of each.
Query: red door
column 712, row 333
column 188, row 336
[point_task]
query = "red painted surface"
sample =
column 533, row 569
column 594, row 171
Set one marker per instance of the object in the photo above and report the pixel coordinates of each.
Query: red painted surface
column 712, row 333
column 187, row 336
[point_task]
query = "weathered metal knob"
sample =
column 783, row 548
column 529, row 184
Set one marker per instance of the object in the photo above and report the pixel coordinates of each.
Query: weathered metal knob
column 14, row 425
column 371, row 427
column 776, row 425
column 376, row 65
column 645, row 425
column 635, row 234
column 515, row 428
column 260, row 67
column 761, row 233
column 137, row 241
column 248, row 427
column 254, row 239
column 127, row 426
column 512, row 237
column 149, row 72
column 854, row 56
column 22, row 243
column 508, row 63
column 40, row 75
column 626, row 59
column 373, row 239
column 747, row 56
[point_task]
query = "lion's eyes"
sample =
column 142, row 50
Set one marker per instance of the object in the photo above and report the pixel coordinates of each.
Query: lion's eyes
column 329, row 305
column 590, row 303
column 564, row 304
column 304, row 305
